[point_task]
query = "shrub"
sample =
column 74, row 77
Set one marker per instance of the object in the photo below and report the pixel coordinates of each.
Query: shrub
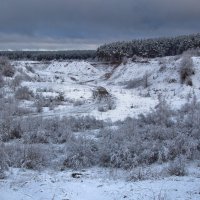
column 186, row 70
column 17, row 81
column 6, row 68
column 100, row 93
column 1, row 81
column 3, row 161
column 142, row 173
column 160, row 136
column 188, row 81
column 41, row 101
column 30, row 69
column 61, row 97
column 28, row 156
column 177, row 168
column 16, row 132
column 81, row 153
column 135, row 83
column 102, row 108
column 163, row 68
column 23, row 93
column 108, row 104
column 78, row 102
column 83, row 123
column 52, row 130
column 35, row 157
column 15, row 153
column 10, row 129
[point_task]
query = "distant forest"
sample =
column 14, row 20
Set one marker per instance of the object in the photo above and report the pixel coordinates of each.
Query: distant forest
column 48, row 55
column 149, row 48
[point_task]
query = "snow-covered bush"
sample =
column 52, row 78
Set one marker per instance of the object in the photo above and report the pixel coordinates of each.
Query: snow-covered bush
column 177, row 168
column 30, row 69
column 41, row 101
column 10, row 119
column 160, row 136
column 107, row 104
column 40, row 130
column 15, row 152
column 6, row 69
column 163, row 135
column 4, row 161
column 81, row 153
column 102, row 108
column 83, row 123
column 186, row 70
column 134, row 83
column 61, row 97
column 143, row 173
column 163, row 67
column 138, row 82
column 105, row 100
column 161, row 115
column 78, row 102
column 1, row 81
column 111, row 103
column 10, row 129
column 35, row 156
column 23, row 93
column 100, row 93
column 16, row 81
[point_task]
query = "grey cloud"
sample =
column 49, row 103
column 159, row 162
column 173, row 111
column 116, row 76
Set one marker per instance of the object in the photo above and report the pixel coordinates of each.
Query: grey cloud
column 93, row 22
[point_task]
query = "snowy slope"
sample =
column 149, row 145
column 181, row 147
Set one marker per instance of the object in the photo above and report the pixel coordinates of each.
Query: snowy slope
column 77, row 79
column 79, row 71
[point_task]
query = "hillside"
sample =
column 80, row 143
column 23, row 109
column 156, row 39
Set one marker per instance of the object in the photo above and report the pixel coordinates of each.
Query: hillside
column 90, row 130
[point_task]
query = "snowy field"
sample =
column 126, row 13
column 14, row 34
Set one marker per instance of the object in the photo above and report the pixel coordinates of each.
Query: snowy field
column 76, row 80
column 96, row 184
column 133, row 89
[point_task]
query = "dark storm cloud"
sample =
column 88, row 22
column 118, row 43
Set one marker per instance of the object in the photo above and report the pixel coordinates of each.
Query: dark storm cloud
column 68, row 24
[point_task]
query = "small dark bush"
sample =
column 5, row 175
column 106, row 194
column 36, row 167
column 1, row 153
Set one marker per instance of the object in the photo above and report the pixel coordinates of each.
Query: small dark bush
column 16, row 132
column 61, row 97
column 134, row 83
column 186, row 70
column 100, row 93
column 1, row 81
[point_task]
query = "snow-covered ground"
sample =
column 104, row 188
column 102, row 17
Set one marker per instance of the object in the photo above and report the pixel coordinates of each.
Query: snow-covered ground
column 96, row 184
column 75, row 81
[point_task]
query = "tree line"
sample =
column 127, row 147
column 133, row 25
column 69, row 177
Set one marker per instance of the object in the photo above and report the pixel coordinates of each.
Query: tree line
column 48, row 55
column 149, row 48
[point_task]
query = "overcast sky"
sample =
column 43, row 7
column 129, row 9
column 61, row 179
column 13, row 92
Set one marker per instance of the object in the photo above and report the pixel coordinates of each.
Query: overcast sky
column 86, row 24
